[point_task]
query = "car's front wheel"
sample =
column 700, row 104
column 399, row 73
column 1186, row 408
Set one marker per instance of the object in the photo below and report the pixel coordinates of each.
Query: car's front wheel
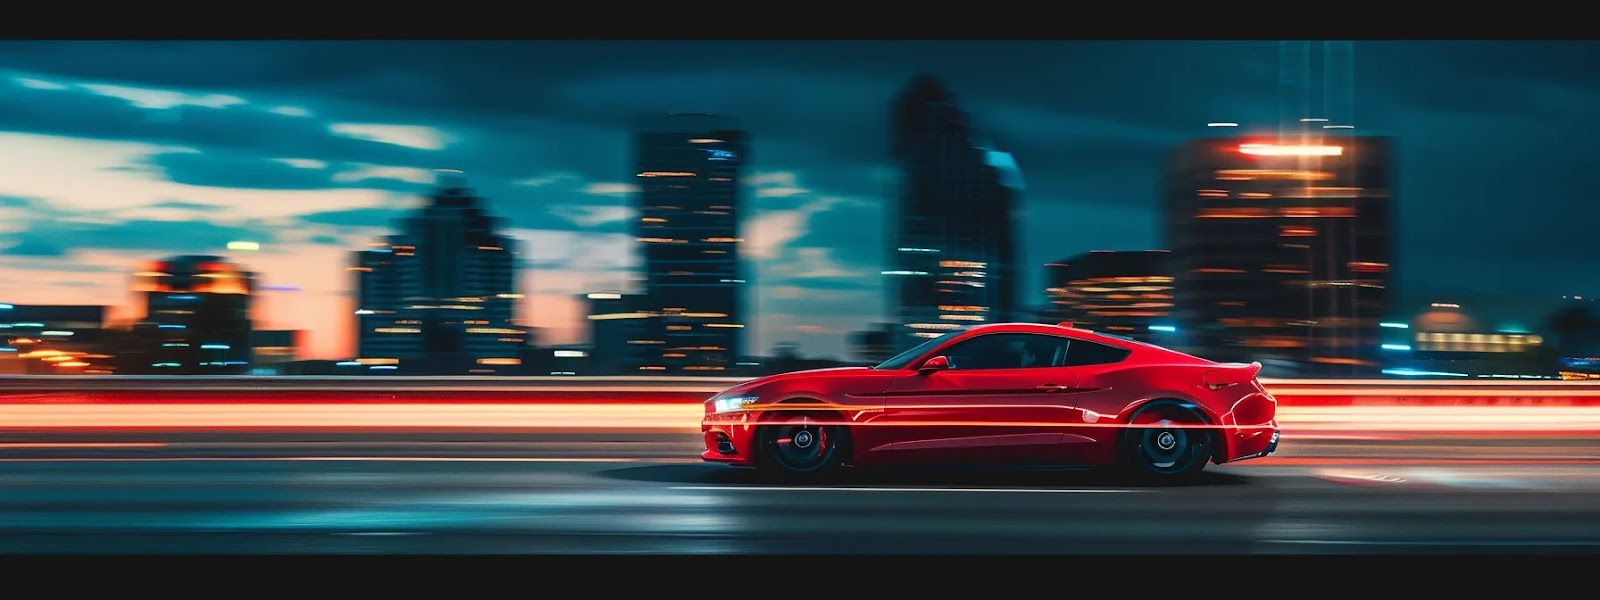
column 801, row 447
column 1166, row 442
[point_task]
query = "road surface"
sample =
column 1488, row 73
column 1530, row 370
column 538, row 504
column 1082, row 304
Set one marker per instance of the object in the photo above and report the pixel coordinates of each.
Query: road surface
column 565, row 492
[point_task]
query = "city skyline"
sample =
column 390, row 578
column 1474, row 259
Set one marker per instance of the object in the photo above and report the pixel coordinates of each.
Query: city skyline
column 127, row 157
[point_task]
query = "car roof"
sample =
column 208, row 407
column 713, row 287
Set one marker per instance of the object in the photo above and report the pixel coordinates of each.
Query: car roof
column 1082, row 334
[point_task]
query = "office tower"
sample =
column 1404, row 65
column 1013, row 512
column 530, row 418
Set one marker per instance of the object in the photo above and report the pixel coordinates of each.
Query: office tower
column 1281, row 250
column 1122, row 293
column 52, row 339
column 953, row 236
column 622, row 336
column 688, row 168
column 197, row 317
column 441, row 294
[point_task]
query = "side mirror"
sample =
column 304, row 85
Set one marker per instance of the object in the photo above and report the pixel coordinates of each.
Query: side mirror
column 937, row 363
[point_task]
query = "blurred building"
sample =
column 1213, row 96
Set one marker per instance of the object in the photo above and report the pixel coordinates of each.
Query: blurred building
column 953, row 237
column 196, row 321
column 273, row 349
column 1281, row 250
column 623, row 334
column 1124, row 293
column 877, row 344
column 1446, row 341
column 440, row 296
column 688, row 168
column 559, row 360
column 51, row 339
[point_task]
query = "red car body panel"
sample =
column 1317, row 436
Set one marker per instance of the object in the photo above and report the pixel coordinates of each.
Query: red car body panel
column 1049, row 415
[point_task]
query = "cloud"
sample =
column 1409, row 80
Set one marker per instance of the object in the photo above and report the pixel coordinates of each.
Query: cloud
column 162, row 99
column 59, row 238
column 364, row 172
column 410, row 136
column 593, row 216
column 611, row 189
column 303, row 163
column 34, row 83
column 544, row 180
column 378, row 216
column 181, row 205
column 290, row 111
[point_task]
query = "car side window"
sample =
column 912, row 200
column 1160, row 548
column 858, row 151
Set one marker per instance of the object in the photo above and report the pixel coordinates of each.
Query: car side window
column 1008, row 351
column 1085, row 353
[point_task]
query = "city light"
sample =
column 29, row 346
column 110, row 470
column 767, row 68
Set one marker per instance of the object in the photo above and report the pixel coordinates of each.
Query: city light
column 1222, row 124
column 244, row 246
column 1164, row 328
column 1398, row 347
column 1275, row 150
column 1394, row 325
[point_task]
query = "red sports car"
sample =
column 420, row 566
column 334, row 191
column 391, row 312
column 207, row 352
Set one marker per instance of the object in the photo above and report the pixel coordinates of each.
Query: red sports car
column 1005, row 394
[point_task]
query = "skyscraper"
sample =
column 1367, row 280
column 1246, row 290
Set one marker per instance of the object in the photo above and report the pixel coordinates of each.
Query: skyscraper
column 442, row 291
column 1281, row 249
column 1124, row 293
column 688, row 168
column 953, row 238
column 197, row 317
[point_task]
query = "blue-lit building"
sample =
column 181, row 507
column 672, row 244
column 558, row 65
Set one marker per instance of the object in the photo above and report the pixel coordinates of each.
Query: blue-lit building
column 953, row 258
column 688, row 168
column 52, row 338
column 440, row 296
column 197, row 318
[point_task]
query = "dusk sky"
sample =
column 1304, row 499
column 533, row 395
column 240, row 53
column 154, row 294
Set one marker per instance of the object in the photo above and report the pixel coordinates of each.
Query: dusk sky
column 113, row 153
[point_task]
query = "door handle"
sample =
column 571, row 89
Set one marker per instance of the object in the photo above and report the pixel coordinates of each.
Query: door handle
column 1050, row 387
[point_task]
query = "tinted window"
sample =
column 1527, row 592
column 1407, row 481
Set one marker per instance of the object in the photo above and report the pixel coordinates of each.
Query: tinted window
column 1084, row 353
column 905, row 358
column 1008, row 351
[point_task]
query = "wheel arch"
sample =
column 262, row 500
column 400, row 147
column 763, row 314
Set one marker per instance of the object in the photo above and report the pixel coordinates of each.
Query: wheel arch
column 824, row 407
column 1218, row 440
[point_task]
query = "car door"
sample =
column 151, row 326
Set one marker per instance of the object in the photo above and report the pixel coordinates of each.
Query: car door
column 1001, row 401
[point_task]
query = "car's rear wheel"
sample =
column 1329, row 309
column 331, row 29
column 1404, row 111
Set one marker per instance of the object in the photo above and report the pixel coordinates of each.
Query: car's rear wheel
column 1166, row 442
column 802, row 446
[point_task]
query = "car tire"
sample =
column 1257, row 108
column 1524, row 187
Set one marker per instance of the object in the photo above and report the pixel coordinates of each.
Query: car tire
column 801, row 446
column 1165, row 442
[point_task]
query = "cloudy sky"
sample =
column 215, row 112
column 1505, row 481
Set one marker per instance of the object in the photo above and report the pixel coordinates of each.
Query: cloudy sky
column 115, row 153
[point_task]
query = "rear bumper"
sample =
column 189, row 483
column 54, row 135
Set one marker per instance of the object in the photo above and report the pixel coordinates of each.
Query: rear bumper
column 1254, row 442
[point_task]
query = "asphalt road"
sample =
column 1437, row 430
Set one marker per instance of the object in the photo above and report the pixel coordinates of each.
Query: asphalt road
column 602, row 493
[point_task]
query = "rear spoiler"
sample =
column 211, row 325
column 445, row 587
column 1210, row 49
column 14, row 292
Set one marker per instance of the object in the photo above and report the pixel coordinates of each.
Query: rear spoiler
column 1230, row 374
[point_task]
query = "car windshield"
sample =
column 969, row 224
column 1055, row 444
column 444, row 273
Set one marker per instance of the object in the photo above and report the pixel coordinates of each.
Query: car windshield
column 905, row 358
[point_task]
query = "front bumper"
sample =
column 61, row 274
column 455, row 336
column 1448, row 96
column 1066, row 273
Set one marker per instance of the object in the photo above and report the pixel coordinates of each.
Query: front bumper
column 729, row 438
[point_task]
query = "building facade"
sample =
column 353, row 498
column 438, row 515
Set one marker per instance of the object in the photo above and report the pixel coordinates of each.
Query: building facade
column 197, row 317
column 1127, row 293
column 953, row 258
column 440, row 296
column 688, row 168
column 623, row 334
column 1281, row 249
column 53, row 339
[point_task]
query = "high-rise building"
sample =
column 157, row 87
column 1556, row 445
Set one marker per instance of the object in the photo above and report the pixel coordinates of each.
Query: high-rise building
column 953, row 257
column 197, row 317
column 274, row 347
column 688, row 168
column 1281, row 250
column 441, row 294
column 1123, row 293
column 52, row 339
column 623, row 335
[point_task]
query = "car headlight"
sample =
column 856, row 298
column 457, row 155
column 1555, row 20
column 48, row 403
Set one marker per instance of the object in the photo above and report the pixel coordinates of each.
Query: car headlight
column 732, row 403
